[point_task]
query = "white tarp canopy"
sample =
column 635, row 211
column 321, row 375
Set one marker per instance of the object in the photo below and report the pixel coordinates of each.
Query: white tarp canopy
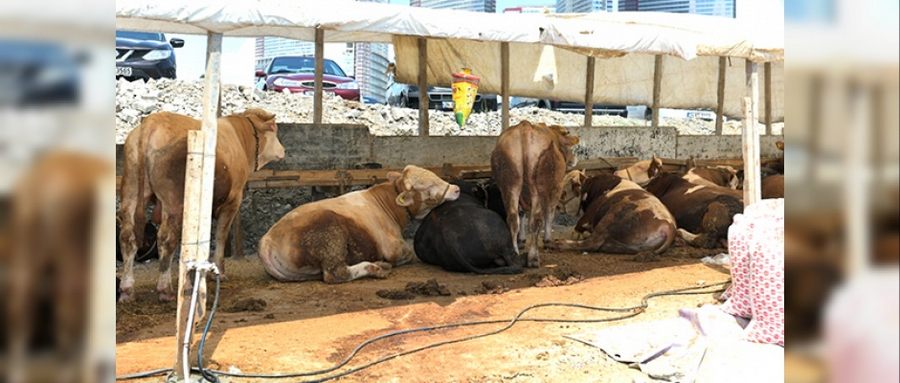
column 547, row 52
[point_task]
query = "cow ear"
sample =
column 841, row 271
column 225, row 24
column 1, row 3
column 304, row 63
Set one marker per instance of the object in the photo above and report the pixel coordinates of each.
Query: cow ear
column 404, row 199
column 393, row 176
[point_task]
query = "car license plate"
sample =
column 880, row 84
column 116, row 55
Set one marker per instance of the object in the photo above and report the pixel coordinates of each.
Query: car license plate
column 123, row 71
column 447, row 104
column 692, row 115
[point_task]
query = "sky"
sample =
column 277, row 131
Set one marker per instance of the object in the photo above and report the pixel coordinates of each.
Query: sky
column 237, row 52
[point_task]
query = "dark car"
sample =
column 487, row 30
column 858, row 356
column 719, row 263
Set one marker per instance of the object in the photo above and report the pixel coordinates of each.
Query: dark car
column 145, row 55
column 440, row 98
column 297, row 74
column 577, row 107
column 38, row 74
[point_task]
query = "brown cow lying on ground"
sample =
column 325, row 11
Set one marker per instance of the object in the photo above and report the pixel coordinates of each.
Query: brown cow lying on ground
column 703, row 209
column 622, row 218
column 155, row 157
column 355, row 235
column 720, row 175
column 641, row 172
column 529, row 163
column 773, row 186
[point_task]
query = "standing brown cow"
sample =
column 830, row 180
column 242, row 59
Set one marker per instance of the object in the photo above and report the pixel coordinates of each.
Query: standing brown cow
column 529, row 163
column 155, row 157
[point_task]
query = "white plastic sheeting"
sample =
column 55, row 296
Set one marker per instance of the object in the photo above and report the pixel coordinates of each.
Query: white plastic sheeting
column 547, row 52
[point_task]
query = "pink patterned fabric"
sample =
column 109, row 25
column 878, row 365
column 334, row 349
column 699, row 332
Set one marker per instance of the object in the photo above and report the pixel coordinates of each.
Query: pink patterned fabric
column 756, row 247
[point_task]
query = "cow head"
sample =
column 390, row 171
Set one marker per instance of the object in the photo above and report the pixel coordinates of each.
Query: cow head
column 419, row 190
column 566, row 143
column 269, row 148
column 642, row 171
column 731, row 174
column 569, row 200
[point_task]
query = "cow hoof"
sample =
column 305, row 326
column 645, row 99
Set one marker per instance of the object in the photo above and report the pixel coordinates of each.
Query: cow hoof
column 165, row 296
column 376, row 271
column 125, row 296
column 384, row 265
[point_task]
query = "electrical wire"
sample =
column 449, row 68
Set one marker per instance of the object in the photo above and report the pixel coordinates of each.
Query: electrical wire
column 632, row 312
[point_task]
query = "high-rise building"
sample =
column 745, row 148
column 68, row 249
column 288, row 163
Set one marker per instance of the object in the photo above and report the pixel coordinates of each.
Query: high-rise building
column 580, row 6
column 723, row 8
column 489, row 6
column 531, row 9
column 371, row 70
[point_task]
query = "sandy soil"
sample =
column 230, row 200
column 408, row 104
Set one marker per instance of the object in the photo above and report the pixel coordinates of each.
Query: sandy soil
column 267, row 326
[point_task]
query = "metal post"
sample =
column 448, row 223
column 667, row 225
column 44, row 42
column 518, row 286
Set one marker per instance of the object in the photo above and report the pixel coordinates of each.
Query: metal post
column 320, row 68
column 198, row 195
column 720, row 96
column 768, row 97
column 750, row 145
column 504, row 85
column 657, row 82
column 589, row 92
column 423, row 86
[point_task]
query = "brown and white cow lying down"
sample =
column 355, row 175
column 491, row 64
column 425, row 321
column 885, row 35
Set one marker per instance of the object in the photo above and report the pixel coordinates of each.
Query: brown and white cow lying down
column 155, row 157
column 641, row 172
column 621, row 218
column 702, row 209
column 720, row 175
column 529, row 163
column 354, row 235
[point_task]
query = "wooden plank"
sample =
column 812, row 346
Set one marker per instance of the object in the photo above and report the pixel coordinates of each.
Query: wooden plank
column 750, row 136
column 423, row 87
column 657, row 87
column 198, row 196
column 720, row 95
column 589, row 92
column 504, row 85
column 237, row 237
column 768, row 97
column 320, row 68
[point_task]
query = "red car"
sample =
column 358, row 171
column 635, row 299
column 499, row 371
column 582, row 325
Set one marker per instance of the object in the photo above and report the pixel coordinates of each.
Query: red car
column 297, row 75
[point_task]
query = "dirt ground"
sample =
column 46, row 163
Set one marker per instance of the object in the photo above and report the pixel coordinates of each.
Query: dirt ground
column 267, row 327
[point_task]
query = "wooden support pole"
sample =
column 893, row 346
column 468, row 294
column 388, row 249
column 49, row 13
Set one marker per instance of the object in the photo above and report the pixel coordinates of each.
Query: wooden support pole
column 768, row 97
column 857, row 187
column 720, row 95
column 750, row 138
column 237, row 236
column 589, row 92
column 320, row 69
column 504, row 84
column 198, row 196
column 423, row 86
column 100, row 349
column 657, row 85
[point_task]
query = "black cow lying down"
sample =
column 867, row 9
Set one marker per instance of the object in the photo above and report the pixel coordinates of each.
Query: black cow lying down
column 464, row 236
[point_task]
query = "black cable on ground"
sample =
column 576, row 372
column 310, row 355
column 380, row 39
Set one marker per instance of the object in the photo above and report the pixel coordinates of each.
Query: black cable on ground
column 205, row 374
column 633, row 311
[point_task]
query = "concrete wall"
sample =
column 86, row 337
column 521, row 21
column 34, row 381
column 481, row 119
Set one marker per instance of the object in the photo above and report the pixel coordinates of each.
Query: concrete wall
column 342, row 146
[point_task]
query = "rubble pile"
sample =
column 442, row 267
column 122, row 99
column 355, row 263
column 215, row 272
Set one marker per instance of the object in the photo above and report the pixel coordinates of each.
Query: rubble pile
column 135, row 100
